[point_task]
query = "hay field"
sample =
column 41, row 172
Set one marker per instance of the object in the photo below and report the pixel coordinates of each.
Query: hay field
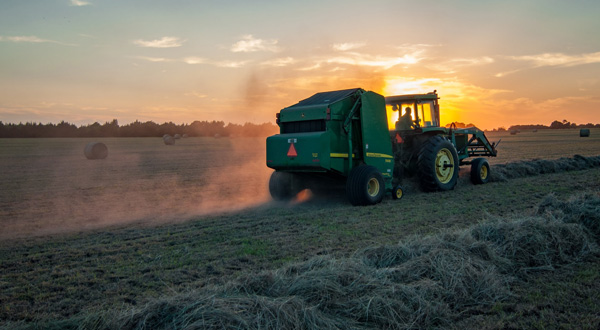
column 520, row 252
column 544, row 144
column 49, row 186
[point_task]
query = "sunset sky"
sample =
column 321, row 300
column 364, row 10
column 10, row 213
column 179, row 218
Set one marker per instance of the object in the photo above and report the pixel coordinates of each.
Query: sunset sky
column 493, row 63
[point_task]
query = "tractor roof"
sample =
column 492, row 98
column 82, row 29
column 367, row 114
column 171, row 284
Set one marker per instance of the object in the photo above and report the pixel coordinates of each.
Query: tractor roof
column 409, row 97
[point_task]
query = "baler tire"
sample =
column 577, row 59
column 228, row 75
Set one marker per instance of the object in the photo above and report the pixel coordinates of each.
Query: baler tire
column 397, row 193
column 281, row 186
column 480, row 171
column 435, row 158
column 365, row 186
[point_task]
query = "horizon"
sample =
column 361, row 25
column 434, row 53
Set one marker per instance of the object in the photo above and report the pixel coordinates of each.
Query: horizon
column 494, row 64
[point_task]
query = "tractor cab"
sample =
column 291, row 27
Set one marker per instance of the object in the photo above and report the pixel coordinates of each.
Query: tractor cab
column 414, row 111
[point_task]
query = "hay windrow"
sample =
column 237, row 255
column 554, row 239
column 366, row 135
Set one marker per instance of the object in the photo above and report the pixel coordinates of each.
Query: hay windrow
column 423, row 282
column 513, row 170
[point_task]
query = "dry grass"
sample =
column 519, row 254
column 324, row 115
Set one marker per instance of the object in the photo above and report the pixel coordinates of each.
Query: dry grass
column 422, row 282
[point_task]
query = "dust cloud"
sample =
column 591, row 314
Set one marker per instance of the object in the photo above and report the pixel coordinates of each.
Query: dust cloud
column 49, row 186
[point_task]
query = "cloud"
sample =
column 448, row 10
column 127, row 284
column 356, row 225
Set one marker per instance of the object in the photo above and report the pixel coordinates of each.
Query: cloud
column 280, row 62
column 552, row 60
column 386, row 62
column 346, row 46
column 196, row 94
column 559, row 59
column 154, row 59
column 194, row 60
column 32, row 39
column 450, row 66
column 250, row 44
column 24, row 39
column 164, row 42
column 230, row 64
column 80, row 3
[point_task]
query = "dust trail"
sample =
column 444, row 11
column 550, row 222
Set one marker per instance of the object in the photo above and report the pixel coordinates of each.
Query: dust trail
column 50, row 187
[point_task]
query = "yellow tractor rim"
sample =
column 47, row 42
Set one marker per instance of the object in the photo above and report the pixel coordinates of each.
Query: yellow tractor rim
column 444, row 165
column 483, row 173
column 373, row 187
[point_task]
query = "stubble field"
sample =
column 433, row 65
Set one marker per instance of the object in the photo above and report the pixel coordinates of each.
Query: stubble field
column 86, row 242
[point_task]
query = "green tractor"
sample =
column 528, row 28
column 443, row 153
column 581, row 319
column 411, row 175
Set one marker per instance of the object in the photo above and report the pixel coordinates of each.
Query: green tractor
column 344, row 137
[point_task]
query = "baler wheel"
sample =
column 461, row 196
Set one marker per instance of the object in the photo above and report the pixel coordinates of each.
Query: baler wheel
column 480, row 171
column 438, row 164
column 397, row 193
column 281, row 186
column 365, row 185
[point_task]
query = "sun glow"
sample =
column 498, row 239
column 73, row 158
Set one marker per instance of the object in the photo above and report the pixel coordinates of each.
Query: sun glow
column 400, row 86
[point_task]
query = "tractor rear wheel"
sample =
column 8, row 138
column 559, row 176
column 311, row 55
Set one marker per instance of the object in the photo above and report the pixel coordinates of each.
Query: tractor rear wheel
column 437, row 164
column 365, row 186
column 480, row 171
column 282, row 186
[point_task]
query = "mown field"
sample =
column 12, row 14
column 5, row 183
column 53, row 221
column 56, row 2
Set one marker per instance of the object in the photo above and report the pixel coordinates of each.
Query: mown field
column 50, row 187
column 153, row 233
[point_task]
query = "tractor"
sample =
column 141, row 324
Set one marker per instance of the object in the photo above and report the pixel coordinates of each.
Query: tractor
column 352, row 137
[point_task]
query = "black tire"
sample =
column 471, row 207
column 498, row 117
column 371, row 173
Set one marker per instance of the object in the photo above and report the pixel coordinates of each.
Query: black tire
column 480, row 171
column 281, row 186
column 365, row 185
column 397, row 193
column 437, row 165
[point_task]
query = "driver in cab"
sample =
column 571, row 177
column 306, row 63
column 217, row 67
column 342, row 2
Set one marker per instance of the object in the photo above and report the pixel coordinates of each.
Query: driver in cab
column 405, row 122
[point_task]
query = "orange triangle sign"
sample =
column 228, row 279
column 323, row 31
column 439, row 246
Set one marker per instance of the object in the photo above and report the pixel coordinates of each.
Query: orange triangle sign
column 292, row 151
column 399, row 138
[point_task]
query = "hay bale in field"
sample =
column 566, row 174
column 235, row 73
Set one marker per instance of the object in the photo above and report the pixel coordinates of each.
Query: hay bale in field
column 95, row 150
column 177, row 136
column 513, row 132
column 169, row 140
column 584, row 132
column 184, row 136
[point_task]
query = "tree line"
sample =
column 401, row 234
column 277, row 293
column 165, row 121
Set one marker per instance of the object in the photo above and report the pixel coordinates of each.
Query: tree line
column 554, row 125
column 135, row 129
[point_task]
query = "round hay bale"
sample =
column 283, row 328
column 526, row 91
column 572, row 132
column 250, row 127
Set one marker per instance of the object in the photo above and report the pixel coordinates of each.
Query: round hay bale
column 169, row 140
column 513, row 132
column 184, row 136
column 177, row 136
column 164, row 136
column 95, row 150
column 584, row 132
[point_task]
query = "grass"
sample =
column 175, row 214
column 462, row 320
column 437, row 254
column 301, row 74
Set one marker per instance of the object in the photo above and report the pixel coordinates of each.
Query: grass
column 453, row 277
column 53, row 278
column 74, row 274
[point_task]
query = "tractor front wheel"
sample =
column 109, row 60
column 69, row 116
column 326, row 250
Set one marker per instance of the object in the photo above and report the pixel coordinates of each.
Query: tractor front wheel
column 480, row 171
column 438, row 164
column 365, row 185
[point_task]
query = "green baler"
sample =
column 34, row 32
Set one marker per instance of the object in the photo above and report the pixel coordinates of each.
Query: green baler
column 343, row 136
